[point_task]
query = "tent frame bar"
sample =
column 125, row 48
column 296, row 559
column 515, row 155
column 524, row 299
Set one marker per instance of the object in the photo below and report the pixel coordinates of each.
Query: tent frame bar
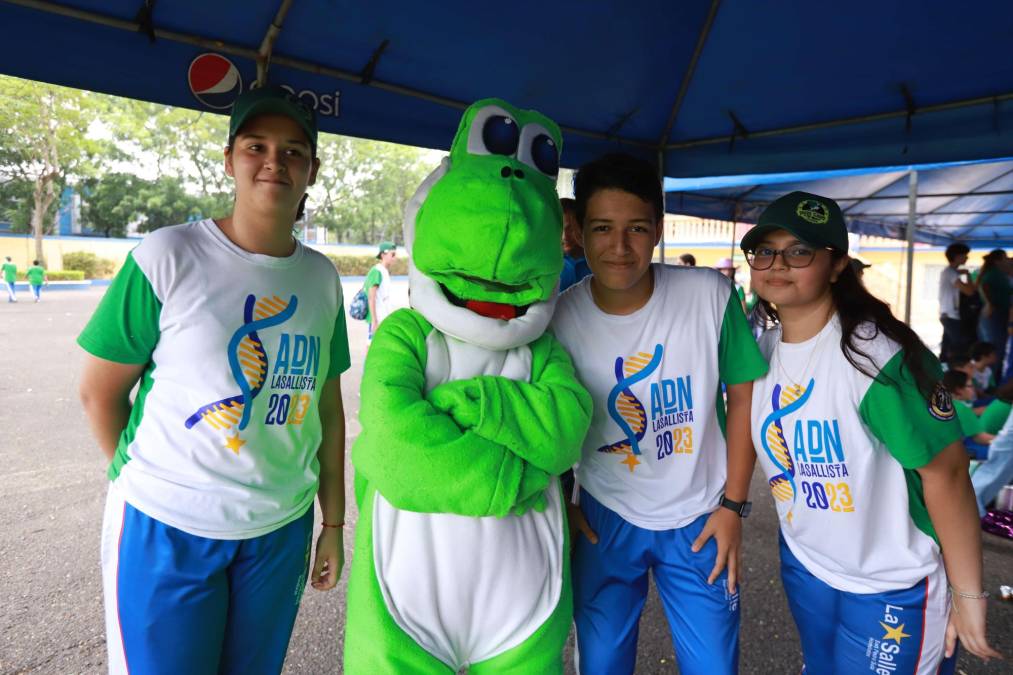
column 687, row 77
column 844, row 121
column 288, row 62
column 267, row 44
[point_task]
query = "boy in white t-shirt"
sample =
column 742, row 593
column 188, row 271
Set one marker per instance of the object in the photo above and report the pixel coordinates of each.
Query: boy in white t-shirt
column 653, row 344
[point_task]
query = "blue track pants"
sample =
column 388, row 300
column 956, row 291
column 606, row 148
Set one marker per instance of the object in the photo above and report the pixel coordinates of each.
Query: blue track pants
column 610, row 587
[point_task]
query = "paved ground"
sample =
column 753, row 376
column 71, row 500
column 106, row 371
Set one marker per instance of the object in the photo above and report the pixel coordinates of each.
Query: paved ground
column 52, row 490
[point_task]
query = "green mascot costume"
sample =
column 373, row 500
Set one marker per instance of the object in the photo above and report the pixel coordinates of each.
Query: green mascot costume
column 470, row 411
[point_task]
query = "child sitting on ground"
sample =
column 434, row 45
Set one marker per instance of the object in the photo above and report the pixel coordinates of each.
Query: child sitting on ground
column 984, row 359
column 961, row 388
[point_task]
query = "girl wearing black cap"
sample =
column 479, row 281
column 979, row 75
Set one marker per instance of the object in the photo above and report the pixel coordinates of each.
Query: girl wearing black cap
column 880, row 539
column 236, row 335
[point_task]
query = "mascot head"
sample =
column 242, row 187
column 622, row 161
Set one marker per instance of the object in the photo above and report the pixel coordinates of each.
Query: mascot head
column 486, row 225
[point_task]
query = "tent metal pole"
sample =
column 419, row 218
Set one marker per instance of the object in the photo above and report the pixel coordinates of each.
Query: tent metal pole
column 687, row 77
column 661, row 177
column 267, row 44
column 912, row 214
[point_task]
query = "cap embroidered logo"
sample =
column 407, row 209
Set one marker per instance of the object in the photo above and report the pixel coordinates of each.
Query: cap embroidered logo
column 813, row 211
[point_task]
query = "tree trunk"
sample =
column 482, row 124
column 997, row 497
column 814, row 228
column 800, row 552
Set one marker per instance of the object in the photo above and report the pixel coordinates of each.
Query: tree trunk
column 43, row 193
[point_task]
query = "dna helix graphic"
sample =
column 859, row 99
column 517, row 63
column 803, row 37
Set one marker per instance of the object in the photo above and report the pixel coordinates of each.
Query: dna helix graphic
column 624, row 407
column 247, row 361
column 784, row 401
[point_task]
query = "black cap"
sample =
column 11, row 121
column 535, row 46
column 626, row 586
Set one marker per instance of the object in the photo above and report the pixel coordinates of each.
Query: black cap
column 813, row 219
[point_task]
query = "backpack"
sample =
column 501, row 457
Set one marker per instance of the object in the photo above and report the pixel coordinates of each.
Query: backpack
column 359, row 306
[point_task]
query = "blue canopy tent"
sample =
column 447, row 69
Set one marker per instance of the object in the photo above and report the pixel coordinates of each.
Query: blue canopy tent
column 708, row 87
column 937, row 204
column 966, row 201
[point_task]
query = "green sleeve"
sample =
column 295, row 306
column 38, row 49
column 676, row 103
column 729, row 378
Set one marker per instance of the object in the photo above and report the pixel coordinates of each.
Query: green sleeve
column 913, row 429
column 124, row 327
column 373, row 278
column 994, row 416
column 739, row 357
column 969, row 422
column 543, row 421
column 340, row 358
column 417, row 457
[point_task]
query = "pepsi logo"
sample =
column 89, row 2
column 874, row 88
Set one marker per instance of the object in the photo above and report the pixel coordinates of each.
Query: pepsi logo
column 214, row 81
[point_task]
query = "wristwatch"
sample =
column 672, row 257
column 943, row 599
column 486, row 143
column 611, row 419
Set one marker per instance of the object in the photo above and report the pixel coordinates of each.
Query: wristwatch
column 741, row 508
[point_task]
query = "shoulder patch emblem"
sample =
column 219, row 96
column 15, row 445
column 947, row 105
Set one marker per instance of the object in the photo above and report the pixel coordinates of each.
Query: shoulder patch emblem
column 813, row 211
column 941, row 404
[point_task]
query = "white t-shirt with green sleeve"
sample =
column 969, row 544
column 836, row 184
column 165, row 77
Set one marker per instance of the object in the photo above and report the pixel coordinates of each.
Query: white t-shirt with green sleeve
column 655, row 453
column 840, row 450
column 224, row 431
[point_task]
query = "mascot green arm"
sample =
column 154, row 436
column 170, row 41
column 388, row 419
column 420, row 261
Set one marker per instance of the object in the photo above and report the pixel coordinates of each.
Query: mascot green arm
column 417, row 457
column 543, row 421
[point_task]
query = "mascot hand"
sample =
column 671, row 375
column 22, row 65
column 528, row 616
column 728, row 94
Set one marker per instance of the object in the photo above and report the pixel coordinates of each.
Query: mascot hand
column 532, row 492
column 461, row 399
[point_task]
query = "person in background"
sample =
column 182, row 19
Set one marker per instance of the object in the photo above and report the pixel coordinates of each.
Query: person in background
column 994, row 285
column 36, row 278
column 961, row 388
column 954, row 281
column 997, row 470
column 728, row 268
column 984, row 360
column 10, row 272
column 687, row 260
column 378, row 285
column 574, row 263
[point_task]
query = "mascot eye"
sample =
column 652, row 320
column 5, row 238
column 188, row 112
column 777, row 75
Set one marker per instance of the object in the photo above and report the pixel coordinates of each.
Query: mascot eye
column 544, row 155
column 500, row 135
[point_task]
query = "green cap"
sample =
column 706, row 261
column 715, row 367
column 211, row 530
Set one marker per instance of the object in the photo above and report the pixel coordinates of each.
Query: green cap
column 386, row 246
column 813, row 219
column 273, row 100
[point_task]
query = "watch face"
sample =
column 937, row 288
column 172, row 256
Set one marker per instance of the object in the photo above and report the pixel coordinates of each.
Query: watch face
column 746, row 508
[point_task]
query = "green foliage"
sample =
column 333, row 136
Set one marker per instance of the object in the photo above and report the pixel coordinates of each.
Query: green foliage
column 90, row 265
column 118, row 199
column 106, row 148
column 45, row 142
column 359, row 265
column 362, row 187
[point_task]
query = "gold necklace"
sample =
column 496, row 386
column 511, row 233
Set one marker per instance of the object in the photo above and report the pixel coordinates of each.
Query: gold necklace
column 797, row 383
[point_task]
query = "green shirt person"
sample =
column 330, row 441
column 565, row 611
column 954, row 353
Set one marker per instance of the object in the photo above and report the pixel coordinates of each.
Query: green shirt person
column 10, row 272
column 36, row 277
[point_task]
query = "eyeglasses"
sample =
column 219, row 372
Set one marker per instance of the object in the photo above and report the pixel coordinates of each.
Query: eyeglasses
column 799, row 255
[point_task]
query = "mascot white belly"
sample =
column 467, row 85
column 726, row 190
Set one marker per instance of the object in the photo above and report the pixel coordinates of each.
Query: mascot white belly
column 467, row 589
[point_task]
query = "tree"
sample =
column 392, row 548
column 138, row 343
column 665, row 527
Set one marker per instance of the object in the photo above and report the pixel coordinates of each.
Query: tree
column 45, row 141
column 116, row 200
column 363, row 186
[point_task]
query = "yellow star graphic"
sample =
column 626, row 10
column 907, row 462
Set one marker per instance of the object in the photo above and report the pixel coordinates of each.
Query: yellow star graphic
column 895, row 634
column 631, row 461
column 234, row 443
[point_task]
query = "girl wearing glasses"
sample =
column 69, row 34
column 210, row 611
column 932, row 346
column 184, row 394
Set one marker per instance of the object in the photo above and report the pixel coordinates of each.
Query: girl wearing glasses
column 880, row 539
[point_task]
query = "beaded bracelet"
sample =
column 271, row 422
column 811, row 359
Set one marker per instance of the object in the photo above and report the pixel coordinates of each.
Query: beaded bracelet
column 339, row 525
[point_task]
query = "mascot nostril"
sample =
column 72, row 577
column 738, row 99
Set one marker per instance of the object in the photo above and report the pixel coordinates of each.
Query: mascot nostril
column 470, row 409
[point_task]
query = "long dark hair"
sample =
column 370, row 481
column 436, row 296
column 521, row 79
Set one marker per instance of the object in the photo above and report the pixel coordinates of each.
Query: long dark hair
column 855, row 305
